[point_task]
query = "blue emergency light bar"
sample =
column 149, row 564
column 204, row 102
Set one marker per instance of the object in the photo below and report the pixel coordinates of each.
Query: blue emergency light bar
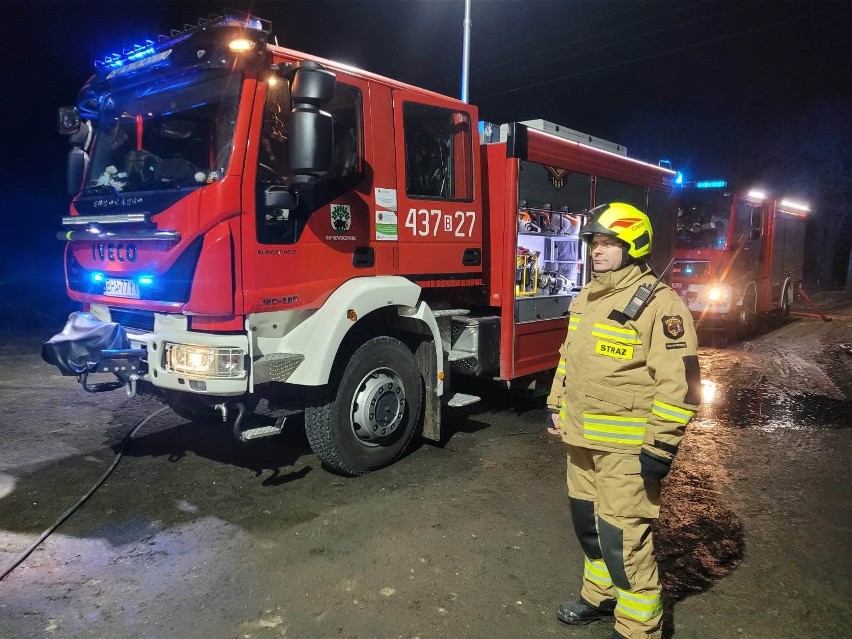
column 711, row 184
column 139, row 51
column 136, row 52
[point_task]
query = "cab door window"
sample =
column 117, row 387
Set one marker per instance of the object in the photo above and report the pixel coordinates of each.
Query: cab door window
column 749, row 218
column 438, row 153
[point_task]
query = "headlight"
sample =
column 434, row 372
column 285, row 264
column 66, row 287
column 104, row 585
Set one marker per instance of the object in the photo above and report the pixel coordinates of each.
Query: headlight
column 205, row 361
column 717, row 293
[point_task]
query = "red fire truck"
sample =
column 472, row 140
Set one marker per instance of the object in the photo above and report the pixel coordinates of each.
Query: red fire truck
column 739, row 256
column 257, row 230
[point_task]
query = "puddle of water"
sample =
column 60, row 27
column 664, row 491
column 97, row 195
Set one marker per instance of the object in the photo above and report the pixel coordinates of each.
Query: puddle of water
column 770, row 409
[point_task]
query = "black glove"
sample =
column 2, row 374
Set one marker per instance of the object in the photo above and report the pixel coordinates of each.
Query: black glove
column 654, row 467
column 548, row 417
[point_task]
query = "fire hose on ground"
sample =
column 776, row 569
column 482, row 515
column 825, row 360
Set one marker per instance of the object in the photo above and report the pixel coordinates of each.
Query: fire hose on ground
column 124, row 444
column 817, row 311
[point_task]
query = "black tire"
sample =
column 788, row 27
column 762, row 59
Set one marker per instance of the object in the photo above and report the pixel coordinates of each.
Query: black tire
column 368, row 417
column 786, row 304
column 746, row 318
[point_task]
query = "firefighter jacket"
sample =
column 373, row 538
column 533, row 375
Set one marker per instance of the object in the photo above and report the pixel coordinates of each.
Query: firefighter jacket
column 627, row 384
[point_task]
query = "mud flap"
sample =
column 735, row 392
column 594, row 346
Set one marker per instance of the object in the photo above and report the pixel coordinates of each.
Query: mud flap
column 77, row 349
column 430, row 416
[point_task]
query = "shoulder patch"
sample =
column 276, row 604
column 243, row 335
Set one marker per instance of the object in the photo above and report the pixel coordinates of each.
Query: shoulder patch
column 673, row 326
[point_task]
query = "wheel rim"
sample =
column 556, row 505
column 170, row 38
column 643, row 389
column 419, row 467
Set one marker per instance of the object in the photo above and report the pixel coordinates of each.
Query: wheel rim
column 378, row 406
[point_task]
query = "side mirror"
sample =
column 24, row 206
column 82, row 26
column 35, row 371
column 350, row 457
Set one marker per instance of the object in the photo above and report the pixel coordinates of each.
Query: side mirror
column 312, row 84
column 68, row 120
column 311, row 143
column 82, row 137
column 278, row 197
column 311, row 133
column 78, row 159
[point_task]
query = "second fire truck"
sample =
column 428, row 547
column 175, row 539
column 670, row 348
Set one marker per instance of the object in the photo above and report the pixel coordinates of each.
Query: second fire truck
column 739, row 256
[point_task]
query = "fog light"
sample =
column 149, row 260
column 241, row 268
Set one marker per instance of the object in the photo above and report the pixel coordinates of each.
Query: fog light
column 204, row 361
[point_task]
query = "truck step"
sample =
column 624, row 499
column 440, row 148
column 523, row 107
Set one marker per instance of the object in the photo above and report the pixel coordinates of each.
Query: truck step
column 268, row 430
column 445, row 312
column 461, row 399
column 455, row 356
column 261, row 431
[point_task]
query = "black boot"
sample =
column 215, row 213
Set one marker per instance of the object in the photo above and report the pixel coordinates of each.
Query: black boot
column 579, row 612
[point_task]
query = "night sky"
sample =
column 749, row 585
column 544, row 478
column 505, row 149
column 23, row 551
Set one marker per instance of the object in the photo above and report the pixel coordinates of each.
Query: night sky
column 707, row 84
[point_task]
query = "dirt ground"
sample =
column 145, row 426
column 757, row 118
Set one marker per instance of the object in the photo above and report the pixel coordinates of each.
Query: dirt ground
column 195, row 535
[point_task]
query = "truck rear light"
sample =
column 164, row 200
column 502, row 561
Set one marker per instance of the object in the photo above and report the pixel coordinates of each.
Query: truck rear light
column 204, row 361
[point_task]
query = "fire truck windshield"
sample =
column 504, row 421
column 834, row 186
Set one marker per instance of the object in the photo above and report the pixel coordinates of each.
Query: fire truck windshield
column 164, row 135
column 702, row 221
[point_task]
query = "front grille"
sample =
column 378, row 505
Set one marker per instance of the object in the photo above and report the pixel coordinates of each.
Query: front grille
column 132, row 318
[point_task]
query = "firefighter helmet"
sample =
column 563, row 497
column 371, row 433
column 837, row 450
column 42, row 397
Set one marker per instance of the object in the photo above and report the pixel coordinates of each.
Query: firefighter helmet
column 623, row 222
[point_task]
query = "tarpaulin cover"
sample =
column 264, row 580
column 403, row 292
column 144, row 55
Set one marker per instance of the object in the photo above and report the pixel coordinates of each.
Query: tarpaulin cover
column 78, row 347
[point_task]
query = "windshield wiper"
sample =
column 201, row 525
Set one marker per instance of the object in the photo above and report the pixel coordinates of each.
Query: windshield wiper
column 100, row 189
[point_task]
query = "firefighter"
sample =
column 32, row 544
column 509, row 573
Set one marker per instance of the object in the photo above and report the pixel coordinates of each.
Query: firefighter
column 626, row 386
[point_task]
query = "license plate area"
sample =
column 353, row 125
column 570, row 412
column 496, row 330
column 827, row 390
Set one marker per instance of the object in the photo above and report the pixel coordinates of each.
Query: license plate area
column 121, row 288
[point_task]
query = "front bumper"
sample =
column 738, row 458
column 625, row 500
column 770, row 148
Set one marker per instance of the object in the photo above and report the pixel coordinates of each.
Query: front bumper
column 151, row 350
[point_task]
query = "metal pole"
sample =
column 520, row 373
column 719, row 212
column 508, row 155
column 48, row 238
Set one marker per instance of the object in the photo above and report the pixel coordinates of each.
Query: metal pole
column 466, row 52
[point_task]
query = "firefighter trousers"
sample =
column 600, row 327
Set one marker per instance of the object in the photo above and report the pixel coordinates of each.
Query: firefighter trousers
column 612, row 508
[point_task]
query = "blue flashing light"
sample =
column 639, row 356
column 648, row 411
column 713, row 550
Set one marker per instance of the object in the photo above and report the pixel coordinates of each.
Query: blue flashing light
column 140, row 51
column 688, row 270
column 679, row 178
column 711, row 184
column 146, row 280
column 134, row 53
column 98, row 277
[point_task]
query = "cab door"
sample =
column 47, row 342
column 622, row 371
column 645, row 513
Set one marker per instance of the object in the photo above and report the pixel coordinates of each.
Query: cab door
column 439, row 225
column 297, row 258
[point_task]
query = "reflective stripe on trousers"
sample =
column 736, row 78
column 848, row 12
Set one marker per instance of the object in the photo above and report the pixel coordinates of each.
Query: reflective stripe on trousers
column 639, row 607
